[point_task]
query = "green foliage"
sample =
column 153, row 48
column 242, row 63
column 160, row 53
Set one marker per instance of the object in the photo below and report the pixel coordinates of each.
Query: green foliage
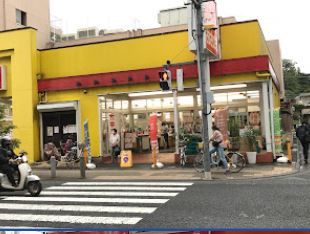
column 6, row 128
column 295, row 82
column 250, row 135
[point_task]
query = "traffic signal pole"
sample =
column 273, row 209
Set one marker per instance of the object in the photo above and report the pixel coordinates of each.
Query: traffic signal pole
column 204, row 82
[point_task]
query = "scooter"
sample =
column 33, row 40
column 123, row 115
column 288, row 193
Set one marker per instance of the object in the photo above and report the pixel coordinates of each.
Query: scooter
column 26, row 180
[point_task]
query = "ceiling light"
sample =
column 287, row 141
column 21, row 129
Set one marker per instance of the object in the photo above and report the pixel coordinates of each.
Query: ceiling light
column 141, row 94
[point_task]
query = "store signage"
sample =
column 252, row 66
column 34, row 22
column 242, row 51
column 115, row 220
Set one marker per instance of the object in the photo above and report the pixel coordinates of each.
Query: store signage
column 211, row 26
column 209, row 15
column 211, row 42
column 2, row 77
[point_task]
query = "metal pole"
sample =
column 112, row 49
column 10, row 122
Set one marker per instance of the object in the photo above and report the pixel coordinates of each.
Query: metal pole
column 176, row 121
column 81, row 148
column 53, row 164
column 202, row 65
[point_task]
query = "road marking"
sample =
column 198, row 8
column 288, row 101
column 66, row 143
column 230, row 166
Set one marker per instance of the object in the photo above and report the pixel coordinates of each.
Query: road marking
column 91, row 200
column 120, row 188
column 78, row 208
column 131, row 183
column 125, row 194
column 70, row 219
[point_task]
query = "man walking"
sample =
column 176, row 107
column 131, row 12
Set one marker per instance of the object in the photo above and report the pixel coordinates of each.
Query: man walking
column 303, row 134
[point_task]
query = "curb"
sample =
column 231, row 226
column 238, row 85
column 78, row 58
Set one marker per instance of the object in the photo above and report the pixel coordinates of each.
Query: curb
column 194, row 178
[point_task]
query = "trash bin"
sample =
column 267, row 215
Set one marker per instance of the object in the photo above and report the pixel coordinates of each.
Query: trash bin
column 126, row 159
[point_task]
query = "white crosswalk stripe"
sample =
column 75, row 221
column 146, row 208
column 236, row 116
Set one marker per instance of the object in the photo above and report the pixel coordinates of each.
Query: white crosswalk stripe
column 89, row 203
column 119, row 194
column 118, row 188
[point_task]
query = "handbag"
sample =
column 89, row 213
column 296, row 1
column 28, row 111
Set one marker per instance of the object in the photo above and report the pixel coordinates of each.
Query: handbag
column 216, row 143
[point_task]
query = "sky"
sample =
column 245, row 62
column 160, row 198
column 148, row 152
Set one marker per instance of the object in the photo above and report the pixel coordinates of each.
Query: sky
column 285, row 20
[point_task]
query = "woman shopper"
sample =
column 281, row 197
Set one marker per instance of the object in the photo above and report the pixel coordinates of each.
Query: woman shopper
column 218, row 146
column 115, row 145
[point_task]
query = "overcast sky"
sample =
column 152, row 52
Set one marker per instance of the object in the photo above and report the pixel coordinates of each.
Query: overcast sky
column 285, row 20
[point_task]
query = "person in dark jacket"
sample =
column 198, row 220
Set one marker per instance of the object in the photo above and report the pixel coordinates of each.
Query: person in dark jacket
column 6, row 153
column 303, row 134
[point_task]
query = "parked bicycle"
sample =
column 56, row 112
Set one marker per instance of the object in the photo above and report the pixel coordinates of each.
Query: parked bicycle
column 235, row 161
column 182, row 150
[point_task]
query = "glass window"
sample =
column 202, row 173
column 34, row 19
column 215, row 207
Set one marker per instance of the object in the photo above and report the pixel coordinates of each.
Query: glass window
column 118, row 104
column 21, row 17
column 154, row 103
column 138, row 104
column 125, row 104
column 168, row 102
column 185, row 101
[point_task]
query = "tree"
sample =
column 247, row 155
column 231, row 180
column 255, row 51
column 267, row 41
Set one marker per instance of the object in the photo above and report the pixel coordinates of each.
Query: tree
column 6, row 127
column 295, row 81
column 291, row 80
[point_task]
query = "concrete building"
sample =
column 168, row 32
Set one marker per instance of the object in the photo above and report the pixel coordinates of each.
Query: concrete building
column 304, row 99
column 31, row 13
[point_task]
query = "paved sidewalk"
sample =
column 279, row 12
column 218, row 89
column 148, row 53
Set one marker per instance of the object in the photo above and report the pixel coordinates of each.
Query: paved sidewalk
column 169, row 172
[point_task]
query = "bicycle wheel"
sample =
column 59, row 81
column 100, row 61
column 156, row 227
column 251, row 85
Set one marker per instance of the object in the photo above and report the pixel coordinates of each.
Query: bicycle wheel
column 215, row 159
column 182, row 160
column 198, row 163
column 236, row 162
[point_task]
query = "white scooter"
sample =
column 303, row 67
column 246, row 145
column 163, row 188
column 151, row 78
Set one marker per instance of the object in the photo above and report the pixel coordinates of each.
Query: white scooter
column 26, row 179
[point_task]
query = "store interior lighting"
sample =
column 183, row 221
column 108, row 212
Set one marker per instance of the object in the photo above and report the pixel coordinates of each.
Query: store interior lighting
column 223, row 87
column 148, row 93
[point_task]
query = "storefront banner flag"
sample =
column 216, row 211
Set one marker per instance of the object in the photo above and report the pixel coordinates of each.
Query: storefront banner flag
column 87, row 141
column 277, row 130
column 153, row 127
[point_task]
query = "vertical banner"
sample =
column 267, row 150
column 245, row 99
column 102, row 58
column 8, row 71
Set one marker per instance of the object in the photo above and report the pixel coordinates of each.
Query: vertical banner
column 277, row 130
column 87, row 141
column 153, row 128
column 153, row 138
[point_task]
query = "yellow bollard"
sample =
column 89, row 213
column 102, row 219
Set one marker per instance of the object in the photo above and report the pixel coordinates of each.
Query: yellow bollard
column 289, row 151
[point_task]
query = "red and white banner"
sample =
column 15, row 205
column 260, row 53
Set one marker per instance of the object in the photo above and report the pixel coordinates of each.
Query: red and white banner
column 153, row 127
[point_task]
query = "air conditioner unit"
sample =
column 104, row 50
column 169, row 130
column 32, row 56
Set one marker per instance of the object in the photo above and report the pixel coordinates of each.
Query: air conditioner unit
column 87, row 32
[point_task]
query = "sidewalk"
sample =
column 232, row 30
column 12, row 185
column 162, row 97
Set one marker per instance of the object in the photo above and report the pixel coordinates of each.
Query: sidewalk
column 169, row 172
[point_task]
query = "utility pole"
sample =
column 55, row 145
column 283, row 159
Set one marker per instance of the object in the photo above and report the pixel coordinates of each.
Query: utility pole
column 204, row 83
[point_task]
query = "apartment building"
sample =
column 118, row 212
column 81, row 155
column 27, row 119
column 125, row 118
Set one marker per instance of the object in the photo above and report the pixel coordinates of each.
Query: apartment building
column 31, row 13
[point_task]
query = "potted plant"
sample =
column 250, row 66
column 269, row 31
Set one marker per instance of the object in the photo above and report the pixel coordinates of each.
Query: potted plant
column 250, row 135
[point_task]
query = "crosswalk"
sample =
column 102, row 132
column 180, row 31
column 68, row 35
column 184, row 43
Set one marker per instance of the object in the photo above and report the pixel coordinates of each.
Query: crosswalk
column 89, row 203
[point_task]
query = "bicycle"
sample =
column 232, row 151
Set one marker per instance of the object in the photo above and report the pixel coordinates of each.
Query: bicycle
column 235, row 161
column 182, row 149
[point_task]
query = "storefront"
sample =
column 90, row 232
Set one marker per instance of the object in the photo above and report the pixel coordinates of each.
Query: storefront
column 114, row 84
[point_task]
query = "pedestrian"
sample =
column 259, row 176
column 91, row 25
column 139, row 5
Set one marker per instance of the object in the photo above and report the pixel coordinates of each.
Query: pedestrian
column 6, row 155
column 165, row 130
column 115, row 145
column 217, row 140
column 303, row 134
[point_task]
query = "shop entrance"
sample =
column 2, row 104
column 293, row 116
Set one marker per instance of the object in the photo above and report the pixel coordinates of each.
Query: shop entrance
column 59, row 128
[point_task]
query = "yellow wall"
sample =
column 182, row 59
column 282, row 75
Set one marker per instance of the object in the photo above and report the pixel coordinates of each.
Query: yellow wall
column 131, row 54
column 23, row 86
column 242, row 40
column 276, row 97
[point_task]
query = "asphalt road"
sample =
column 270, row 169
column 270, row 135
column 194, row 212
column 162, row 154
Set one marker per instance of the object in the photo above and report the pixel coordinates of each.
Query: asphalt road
column 281, row 202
